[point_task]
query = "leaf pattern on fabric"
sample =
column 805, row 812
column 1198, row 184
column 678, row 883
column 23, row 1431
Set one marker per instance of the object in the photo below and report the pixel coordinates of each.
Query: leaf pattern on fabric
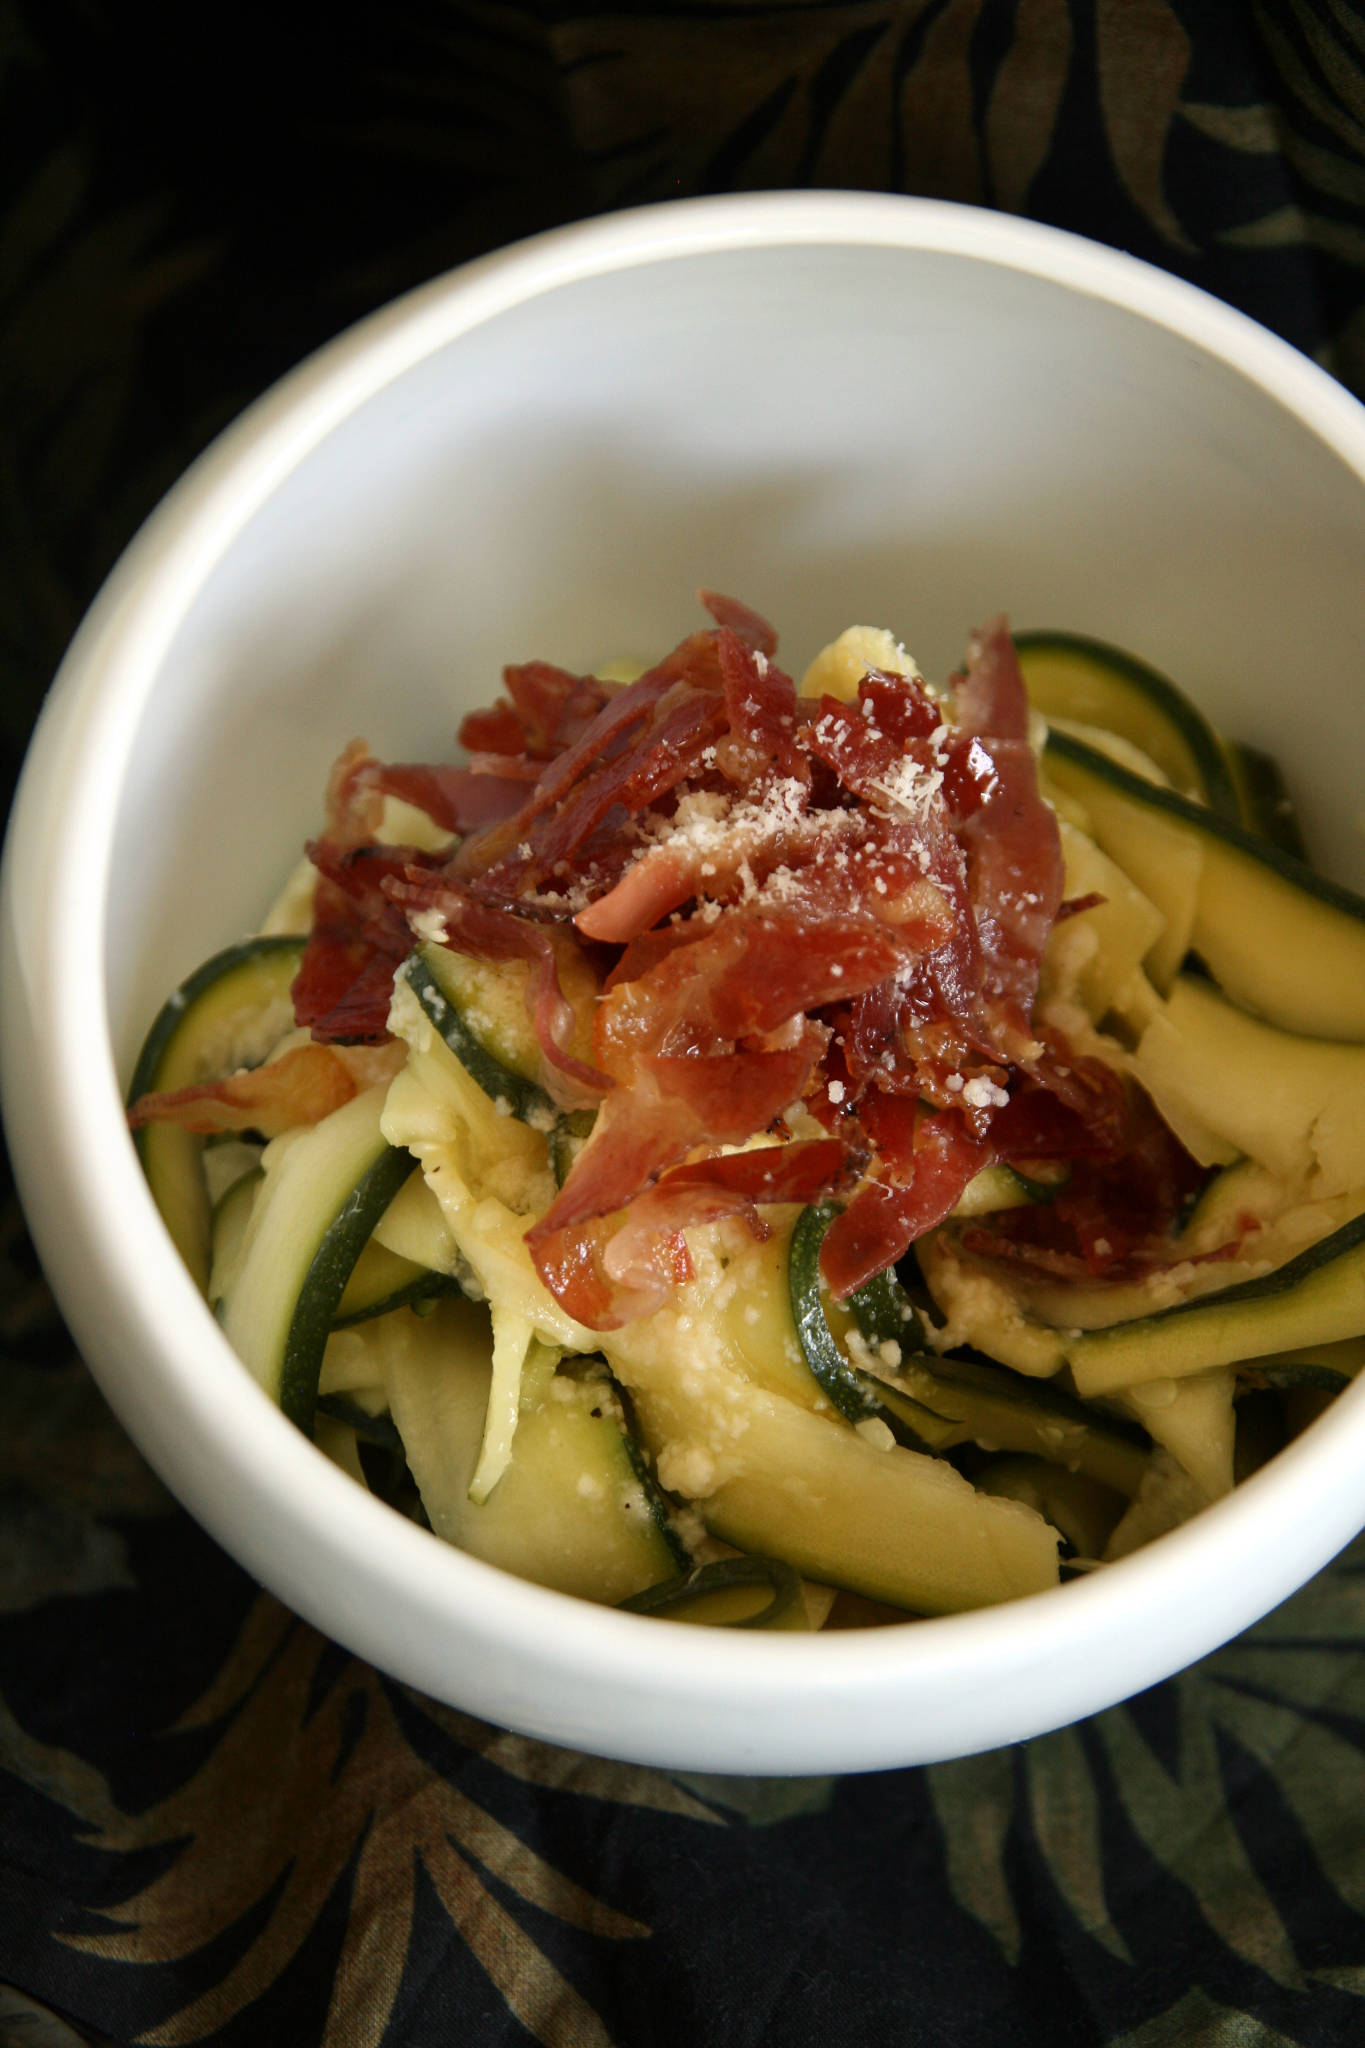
column 1198, row 2021
column 677, row 100
column 1143, row 55
column 335, row 1789
column 973, row 1798
column 1026, row 100
column 1268, row 1731
column 1064, row 1806
column 65, row 1473
column 1184, row 1821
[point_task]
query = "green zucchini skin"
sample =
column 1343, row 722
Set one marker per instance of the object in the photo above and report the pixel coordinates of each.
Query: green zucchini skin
column 1266, row 807
column 377, row 1429
column 934, row 1404
column 259, row 967
column 227, row 1014
column 885, row 1313
column 1283, row 941
column 525, row 1100
column 231, row 1215
column 325, row 1282
column 1326, row 1367
column 382, row 1281
column 324, row 1191
column 1041, row 1191
column 656, row 1501
column 973, row 1402
column 1316, row 1298
column 670, row 1599
column 1070, row 676
column 837, row 1378
column 1253, row 1378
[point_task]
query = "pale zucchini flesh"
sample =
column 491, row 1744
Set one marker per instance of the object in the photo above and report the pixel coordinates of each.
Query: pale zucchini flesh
column 569, row 1510
column 890, row 1523
column 468, row 1005
column 324, row 1190
column 228, row 1014
column 1296, row 1105
column 1316, row 1298
column 1280, row 940
column 1070, row 676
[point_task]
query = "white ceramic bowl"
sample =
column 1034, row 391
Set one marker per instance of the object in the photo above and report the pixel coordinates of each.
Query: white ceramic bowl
column 838, row 407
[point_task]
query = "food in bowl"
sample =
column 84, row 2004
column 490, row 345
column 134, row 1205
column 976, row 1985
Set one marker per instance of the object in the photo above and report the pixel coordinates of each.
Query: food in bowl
column 752, row 1152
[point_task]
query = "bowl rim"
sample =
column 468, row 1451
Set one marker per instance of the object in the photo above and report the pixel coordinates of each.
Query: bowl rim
column 533, row 1659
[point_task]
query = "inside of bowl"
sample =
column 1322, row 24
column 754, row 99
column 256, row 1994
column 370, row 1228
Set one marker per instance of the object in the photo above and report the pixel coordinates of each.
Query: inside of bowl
column 895, row 436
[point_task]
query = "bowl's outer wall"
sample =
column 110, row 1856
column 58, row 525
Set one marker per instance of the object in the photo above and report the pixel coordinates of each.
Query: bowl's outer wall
column 904, row 436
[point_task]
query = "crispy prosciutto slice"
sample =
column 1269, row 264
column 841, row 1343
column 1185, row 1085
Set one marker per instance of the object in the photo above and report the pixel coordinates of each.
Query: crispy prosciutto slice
column 359, row 938
column 1008, row 833
column 677, row 1104
column 888, row 1214
column 1128, row 1177
column 460, row 799
column 605, row 1273
column 302, row 1086
column 638, row 746
column 750, row 626
column 794, row 910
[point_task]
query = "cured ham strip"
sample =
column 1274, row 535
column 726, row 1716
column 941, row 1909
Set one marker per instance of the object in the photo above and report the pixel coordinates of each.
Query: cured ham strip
column 345, row 982
column 677, row 1103
column 507, row 767
column 352, row 807
column 646, row 1248
column 343, row 991
column 676, row 1035
column 990, row 698
column 605, row 1274
column 760, row 704
column 549, row 709
column 459, row 799
column 743, row 979
column 302, row 1086
column 721, row 850
column 572, row 1263
column 555, row 708
column 731, row 1184
column 651, row 888
column 882, row 746
column 803, row 1170
column 687, row 724
column 1015, row 874
column 749, row 625
column 882, row 1221
column 1068, row 1107
column 1114, row 1216
column 496, row 730
column 646, row 951
column 598, row 745
column 1010, row 836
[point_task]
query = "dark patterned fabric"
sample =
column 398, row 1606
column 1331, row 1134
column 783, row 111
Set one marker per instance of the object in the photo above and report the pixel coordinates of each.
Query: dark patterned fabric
column 215, row 1825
